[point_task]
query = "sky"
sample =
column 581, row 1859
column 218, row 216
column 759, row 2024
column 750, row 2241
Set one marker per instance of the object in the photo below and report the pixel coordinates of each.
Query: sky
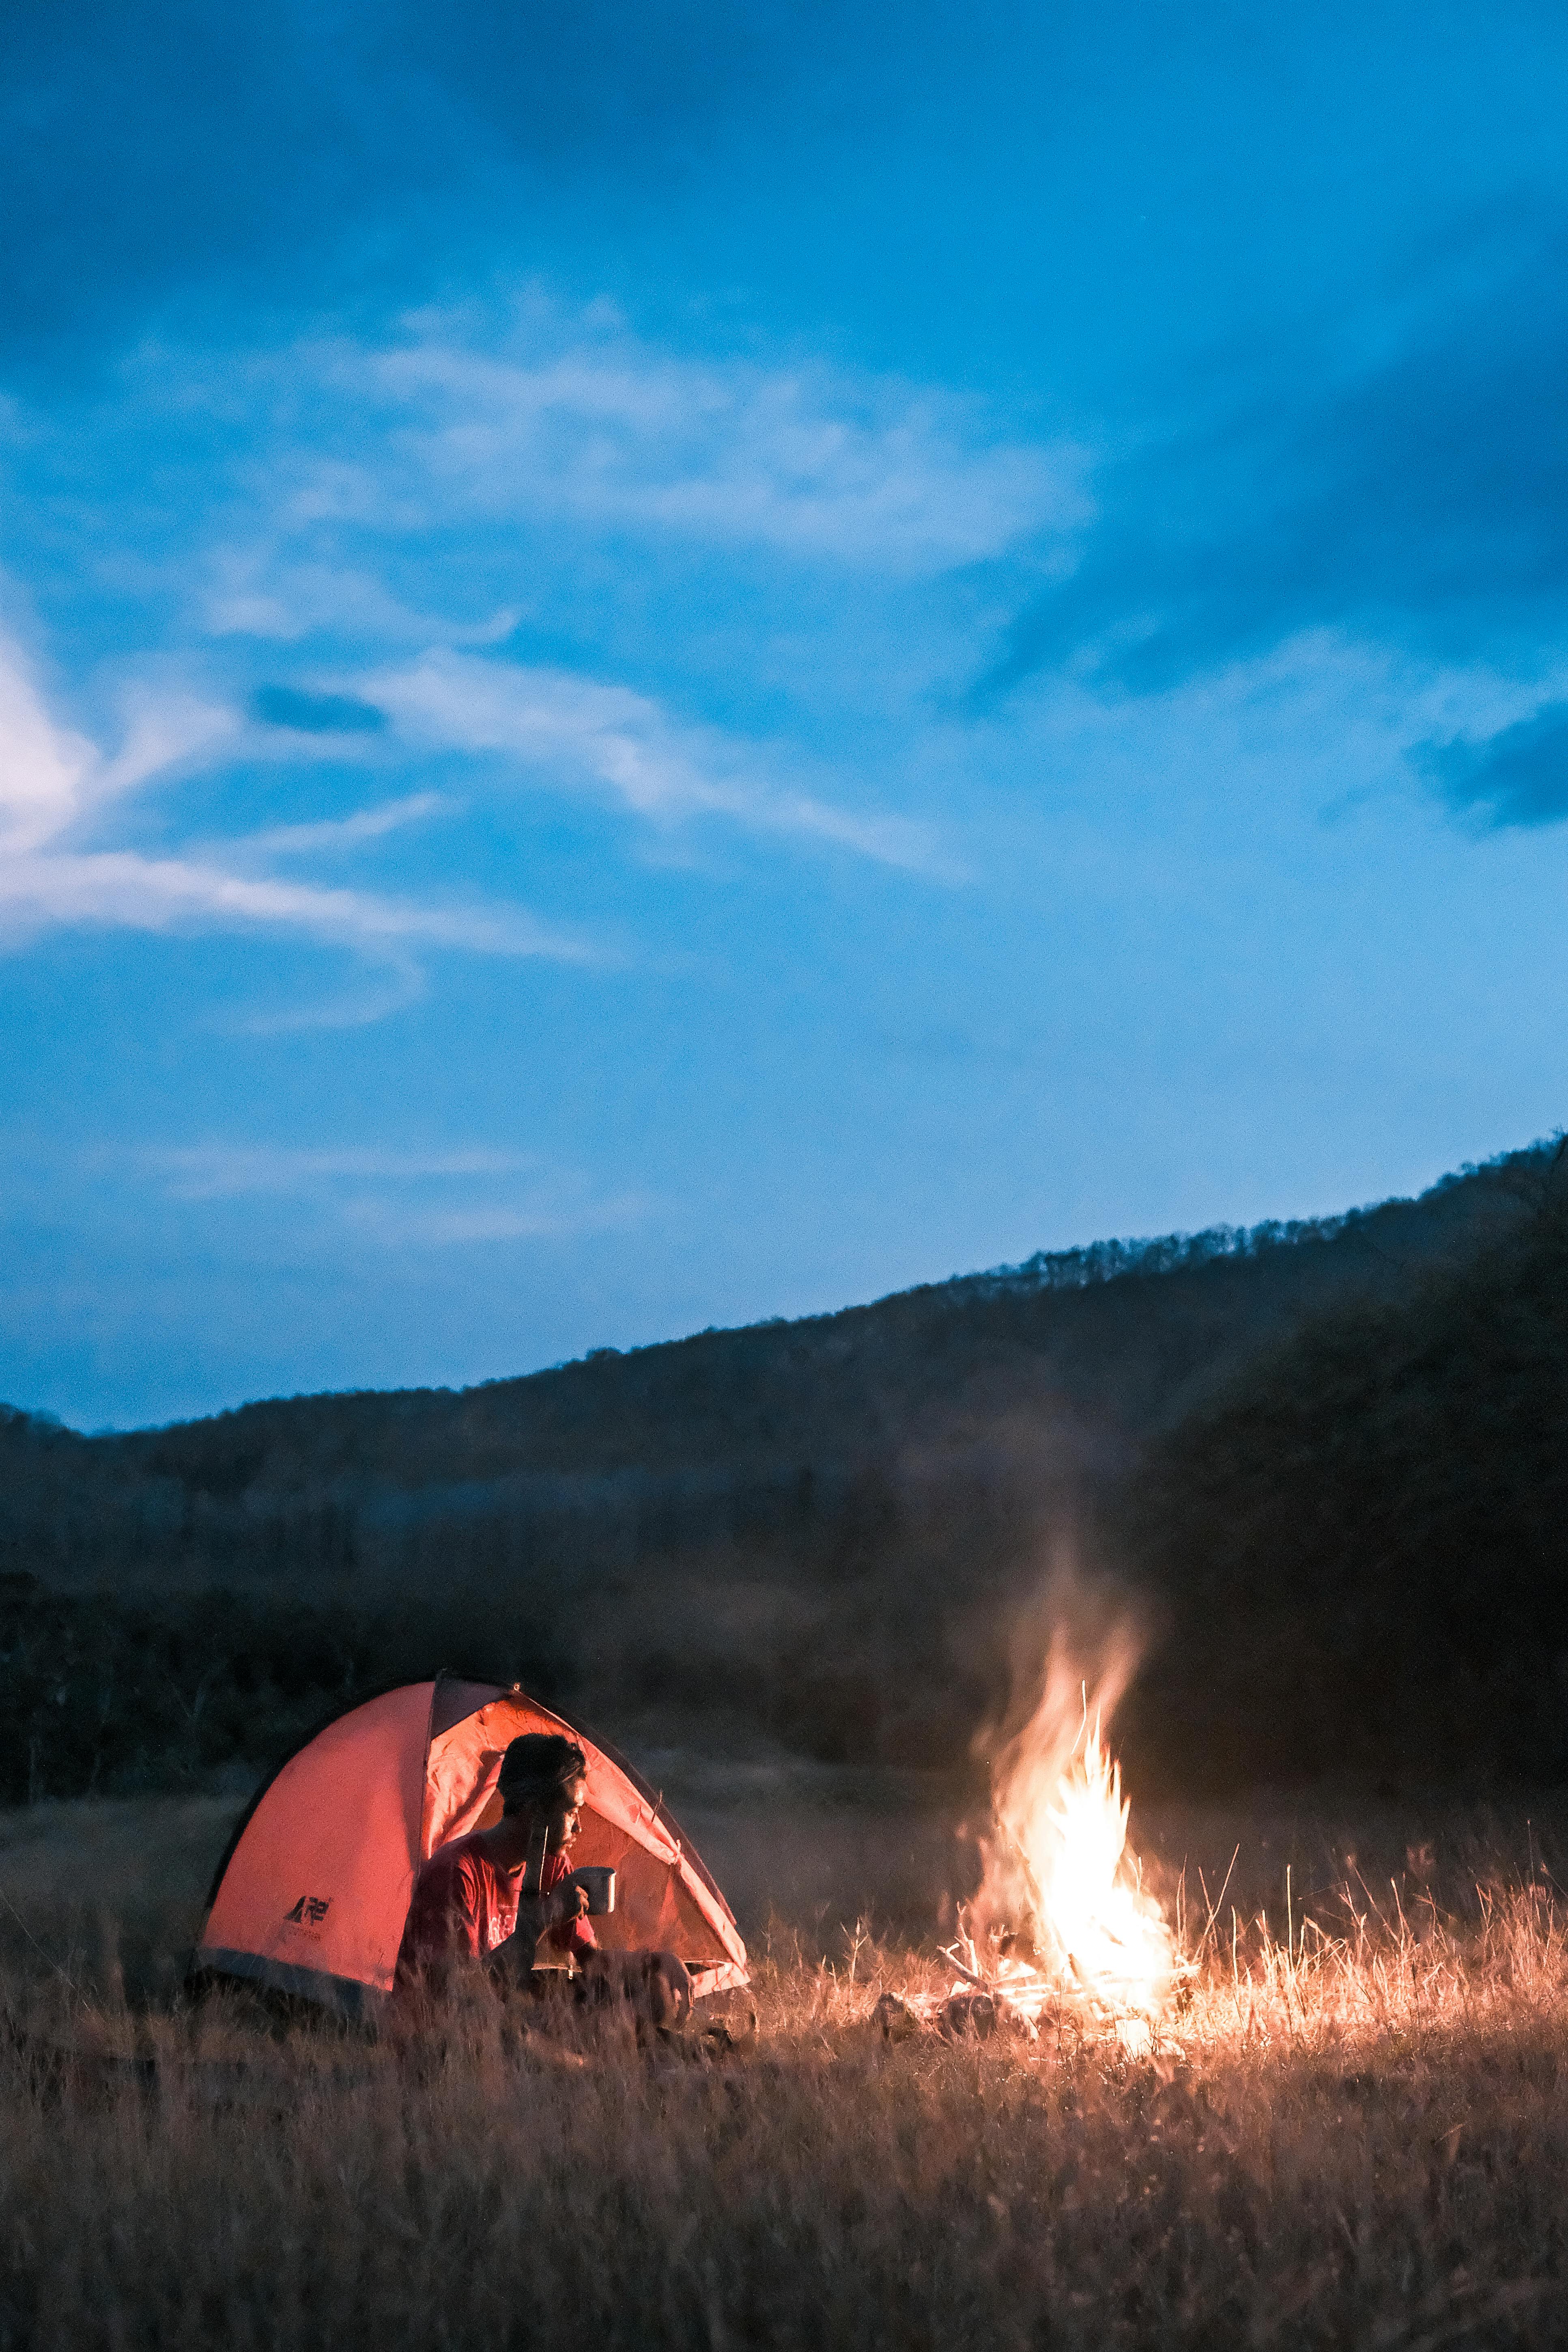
column 664, row 666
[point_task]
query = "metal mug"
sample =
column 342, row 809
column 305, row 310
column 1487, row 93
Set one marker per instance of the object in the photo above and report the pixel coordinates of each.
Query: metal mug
column 598, row 1883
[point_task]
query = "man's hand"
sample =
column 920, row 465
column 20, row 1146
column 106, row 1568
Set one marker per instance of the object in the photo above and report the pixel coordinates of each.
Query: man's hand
column 542, row 1913
column 537, row 1916
column 561, row 1906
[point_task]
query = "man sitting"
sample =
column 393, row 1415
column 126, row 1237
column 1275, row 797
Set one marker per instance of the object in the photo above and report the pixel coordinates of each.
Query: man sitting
column 495, row 1897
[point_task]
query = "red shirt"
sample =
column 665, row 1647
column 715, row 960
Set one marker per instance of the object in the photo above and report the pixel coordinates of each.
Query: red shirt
column 463, row 1905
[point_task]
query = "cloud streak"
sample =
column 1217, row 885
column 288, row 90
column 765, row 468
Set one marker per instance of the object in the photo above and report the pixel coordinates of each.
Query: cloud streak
column 44, row 769
column 544, row 1217
column 53, row 782
column 393, row 1198
column 463, row 430
column 564, row 418
column 224, row 1172
column 345, row 832
column 614, row 743
column 125, row 890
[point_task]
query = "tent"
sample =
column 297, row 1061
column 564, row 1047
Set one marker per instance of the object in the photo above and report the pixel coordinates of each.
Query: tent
column 312, row 1897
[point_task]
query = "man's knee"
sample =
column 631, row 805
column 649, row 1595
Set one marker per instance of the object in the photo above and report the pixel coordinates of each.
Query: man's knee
column 668, row 1988
column 656, row 1985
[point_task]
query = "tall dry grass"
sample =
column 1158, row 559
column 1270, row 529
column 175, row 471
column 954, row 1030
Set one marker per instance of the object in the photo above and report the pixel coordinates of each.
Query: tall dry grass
column 1356, row 2134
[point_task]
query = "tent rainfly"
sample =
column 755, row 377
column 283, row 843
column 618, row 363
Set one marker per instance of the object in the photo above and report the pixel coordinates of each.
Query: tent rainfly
column 312, row 1897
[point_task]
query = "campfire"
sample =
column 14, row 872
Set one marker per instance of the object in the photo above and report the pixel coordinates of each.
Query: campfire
column 1062, row 1930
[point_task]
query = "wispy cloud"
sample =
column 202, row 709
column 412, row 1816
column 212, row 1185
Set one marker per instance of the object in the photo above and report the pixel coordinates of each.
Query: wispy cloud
column 165, row 731
column 219, row 1171
column 816, row 462
column 345, row 832
column 44, row 768
column 551, row 1214
column 608, row 739
column 544, row 422
column 52, row 778
column 128, row 891
column 360, row 497
column 376, row 989
column 54, row 783
column 394, row 1198
column 271, row 588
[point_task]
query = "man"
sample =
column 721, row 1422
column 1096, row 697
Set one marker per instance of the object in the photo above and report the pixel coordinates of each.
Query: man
column 472, row 1900
column 495, row 1897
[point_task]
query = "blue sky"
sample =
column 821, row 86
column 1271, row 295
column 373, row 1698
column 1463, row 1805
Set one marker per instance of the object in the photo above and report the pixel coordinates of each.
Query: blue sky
column 660, row 666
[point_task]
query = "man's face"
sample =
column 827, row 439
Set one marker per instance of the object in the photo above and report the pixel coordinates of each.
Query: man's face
column 566, row 1820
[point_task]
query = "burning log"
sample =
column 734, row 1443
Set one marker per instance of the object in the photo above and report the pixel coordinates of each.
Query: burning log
column 899, row 2019
column 972, row 2015
column 966, row 2013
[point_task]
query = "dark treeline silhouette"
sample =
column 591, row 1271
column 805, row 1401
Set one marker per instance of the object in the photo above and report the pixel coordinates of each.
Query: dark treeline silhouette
column 1363, row 1538
column 1319, row 1459
column 106, row 1694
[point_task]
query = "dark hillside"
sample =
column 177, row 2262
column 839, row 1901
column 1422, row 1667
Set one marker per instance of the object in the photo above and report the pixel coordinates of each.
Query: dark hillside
column 1364, row 1540
column 1121, row 1330
column 705, row 1439
column 817, row 1532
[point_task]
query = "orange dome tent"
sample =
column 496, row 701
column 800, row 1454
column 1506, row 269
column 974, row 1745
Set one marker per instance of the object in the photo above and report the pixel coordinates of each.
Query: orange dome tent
column 312, row 1897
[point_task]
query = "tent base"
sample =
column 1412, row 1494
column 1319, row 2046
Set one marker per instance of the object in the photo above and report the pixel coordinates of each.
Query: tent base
column 360, row 2003
column 364, row 2003
column 728, row 1976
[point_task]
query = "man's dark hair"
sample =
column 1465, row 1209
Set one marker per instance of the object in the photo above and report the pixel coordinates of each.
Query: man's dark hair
column 540, row 1767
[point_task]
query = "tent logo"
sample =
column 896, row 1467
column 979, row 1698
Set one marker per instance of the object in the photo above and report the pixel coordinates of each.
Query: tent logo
column 311, row 1908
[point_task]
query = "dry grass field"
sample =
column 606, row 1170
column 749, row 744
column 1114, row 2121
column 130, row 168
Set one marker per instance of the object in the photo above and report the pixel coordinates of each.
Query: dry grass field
column 1356, row 2133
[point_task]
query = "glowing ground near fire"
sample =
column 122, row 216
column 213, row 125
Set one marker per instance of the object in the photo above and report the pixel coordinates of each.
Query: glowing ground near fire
column 1347, row 2125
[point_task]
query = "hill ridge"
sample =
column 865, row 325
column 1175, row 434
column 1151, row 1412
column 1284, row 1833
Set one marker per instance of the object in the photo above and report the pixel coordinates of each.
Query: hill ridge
column 1328, row 1448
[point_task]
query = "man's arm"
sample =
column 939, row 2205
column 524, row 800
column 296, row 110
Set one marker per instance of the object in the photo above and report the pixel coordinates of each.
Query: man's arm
column 443, row 1923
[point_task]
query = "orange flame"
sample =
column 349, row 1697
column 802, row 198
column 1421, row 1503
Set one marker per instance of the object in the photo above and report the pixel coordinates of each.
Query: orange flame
column 1060, row 1867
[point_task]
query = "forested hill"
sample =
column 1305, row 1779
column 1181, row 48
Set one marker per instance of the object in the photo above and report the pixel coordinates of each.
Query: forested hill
column 823, row 1531
column 1126, row 1335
